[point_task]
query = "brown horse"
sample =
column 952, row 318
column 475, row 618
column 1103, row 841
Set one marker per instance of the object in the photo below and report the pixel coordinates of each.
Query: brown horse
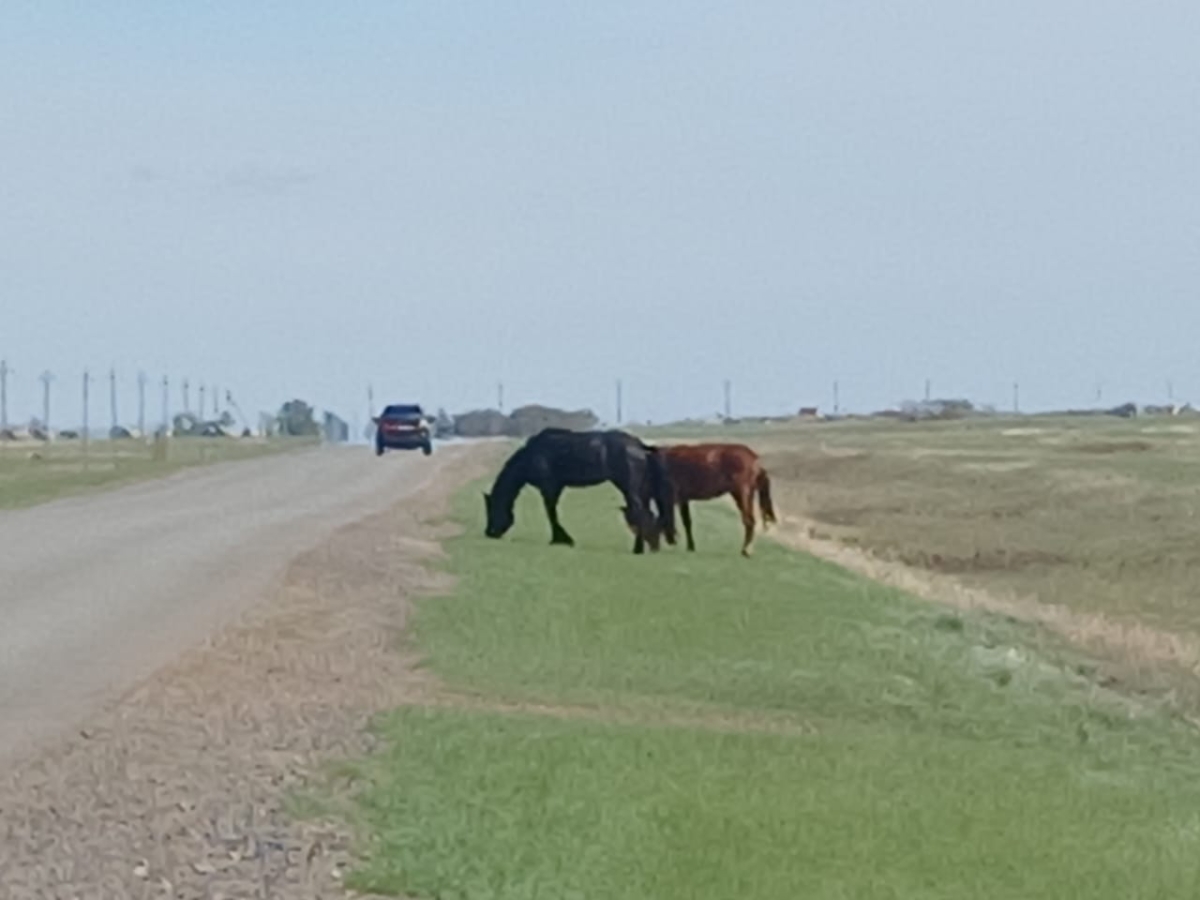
column 708, row 471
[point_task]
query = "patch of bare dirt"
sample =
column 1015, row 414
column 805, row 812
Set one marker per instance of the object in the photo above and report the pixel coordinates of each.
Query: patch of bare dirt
column 724, row 722
column 178, row 790
column 1015, row 465
column 986, row 560
column 1106, row 447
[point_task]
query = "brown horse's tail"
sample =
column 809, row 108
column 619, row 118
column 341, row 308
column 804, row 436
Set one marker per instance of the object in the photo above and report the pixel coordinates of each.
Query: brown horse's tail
column 663, row 493
column 764, row 498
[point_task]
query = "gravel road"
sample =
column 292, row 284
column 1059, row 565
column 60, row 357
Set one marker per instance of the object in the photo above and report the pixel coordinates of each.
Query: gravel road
column 97, row 592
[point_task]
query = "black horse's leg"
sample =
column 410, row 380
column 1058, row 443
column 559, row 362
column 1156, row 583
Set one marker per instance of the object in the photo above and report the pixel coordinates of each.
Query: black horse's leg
column 558, row 534
column 636, row 511
column 637, row 515
column 685, row 516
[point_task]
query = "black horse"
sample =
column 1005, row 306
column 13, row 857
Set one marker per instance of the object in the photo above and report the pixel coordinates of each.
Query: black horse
column 556, row 458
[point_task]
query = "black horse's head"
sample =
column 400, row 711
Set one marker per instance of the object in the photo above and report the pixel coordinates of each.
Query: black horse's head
column 645, row 525
column 499, row 517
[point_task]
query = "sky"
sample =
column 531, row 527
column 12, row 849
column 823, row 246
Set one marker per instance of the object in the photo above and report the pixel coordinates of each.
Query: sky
column 298, row 199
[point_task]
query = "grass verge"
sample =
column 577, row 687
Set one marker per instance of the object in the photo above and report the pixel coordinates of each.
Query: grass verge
column 36, row 473
column 939, row 755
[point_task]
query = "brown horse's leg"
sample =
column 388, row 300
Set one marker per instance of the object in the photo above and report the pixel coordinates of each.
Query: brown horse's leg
column 744, row 498
column 685, row 515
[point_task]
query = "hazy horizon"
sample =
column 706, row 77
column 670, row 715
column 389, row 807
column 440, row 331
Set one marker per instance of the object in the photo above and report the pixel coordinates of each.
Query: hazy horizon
column 298, row 201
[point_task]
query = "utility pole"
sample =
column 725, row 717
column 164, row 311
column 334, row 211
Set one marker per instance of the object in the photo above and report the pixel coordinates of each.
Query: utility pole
column 620, row 412
column 112, row 396
column 142, row 403
column 4, row 370
column 200, row 408
column 927, row 389
column 166, row 405
column 186, row 400
column 728, row 399
column 836, row 399
column 87, row 378
column 216, row 395
column 500, row 395
column 1016, row 397
column 46, row 377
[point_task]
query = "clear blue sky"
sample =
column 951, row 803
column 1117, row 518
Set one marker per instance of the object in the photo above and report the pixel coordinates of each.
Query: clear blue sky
column 299, row 198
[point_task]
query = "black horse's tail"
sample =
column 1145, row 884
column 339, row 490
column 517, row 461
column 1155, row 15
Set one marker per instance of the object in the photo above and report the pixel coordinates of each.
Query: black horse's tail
column 663, row 493
column 764, row 497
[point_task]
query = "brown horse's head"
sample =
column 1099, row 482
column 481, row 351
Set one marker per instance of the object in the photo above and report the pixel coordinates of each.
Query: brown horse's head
column 645, row 525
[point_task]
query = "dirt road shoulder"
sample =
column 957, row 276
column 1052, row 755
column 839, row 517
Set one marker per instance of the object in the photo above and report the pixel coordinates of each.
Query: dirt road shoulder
column 178, row 790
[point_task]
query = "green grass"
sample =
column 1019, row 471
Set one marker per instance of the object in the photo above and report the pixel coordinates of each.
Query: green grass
column 842, row 740
column 35, row 473
column 487, row 806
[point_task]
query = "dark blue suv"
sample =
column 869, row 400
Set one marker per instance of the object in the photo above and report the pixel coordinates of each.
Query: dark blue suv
column 402, row 426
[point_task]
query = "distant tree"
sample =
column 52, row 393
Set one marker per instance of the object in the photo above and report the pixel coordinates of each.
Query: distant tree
column 522, row 422
column 914, row 410
column 480, row 423
column 296, row 419
column 443, row 425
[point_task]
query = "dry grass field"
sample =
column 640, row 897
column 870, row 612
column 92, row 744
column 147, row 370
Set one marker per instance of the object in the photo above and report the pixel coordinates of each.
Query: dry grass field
column 1084, row 524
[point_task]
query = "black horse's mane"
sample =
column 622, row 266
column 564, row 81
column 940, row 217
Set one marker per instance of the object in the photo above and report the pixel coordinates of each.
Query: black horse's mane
column 510, row 472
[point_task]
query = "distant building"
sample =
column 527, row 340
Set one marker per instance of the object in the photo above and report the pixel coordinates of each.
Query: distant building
column 336, row 430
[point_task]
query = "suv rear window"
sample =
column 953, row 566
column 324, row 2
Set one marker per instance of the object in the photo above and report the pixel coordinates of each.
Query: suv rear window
column 403, row 409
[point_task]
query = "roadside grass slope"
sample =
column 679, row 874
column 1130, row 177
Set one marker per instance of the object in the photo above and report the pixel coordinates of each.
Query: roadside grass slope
column 708, row 726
